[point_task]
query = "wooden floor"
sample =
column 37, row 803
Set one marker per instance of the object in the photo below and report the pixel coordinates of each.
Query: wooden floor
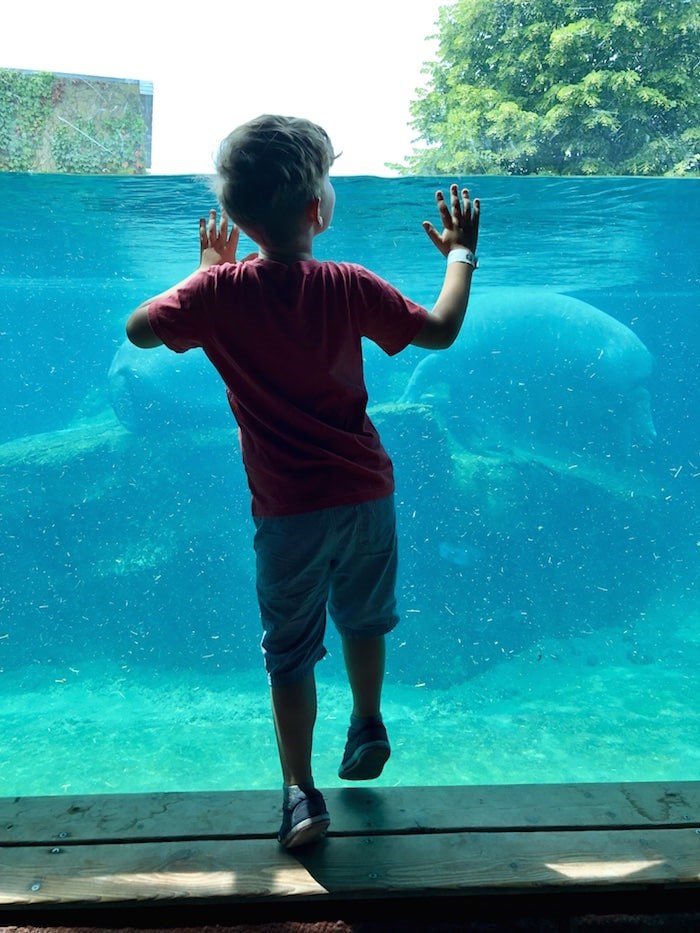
column 552, row 848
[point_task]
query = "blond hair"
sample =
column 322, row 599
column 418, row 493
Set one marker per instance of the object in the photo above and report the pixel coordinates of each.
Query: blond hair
column 269, row 169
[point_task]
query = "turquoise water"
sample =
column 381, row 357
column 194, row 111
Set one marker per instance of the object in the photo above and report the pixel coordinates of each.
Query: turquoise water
column 547, row 491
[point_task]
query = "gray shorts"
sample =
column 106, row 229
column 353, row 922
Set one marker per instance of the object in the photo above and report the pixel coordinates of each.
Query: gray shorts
column 342, row 558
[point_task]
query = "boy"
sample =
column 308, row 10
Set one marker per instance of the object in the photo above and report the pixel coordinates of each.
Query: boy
column 284, row 331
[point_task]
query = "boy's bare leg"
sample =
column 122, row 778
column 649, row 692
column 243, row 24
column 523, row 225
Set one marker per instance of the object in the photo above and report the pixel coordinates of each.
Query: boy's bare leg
column 364, row 662
column 304, row 815
column 294, row 712
column 367, row 748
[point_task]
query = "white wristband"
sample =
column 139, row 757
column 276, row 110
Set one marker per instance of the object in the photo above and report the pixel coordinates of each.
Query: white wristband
column 462, row 254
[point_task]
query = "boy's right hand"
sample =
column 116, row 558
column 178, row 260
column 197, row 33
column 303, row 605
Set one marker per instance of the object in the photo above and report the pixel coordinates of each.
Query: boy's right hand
column 216, row 244
column 460, row 221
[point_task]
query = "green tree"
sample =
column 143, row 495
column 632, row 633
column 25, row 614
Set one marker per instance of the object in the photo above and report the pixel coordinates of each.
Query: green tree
column 561, row 87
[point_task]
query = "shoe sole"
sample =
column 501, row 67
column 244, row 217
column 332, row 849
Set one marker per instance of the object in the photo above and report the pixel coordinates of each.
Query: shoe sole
column 366, row 763
column 306, row 832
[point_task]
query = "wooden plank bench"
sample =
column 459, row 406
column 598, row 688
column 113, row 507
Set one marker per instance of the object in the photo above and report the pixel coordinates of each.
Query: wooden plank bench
column 494, row 848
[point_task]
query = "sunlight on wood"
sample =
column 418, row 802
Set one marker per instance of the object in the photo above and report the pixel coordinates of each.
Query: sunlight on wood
column 202, row 882
column 602, row 870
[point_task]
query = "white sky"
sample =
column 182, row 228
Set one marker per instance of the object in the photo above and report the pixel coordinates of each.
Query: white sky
column 352, row 66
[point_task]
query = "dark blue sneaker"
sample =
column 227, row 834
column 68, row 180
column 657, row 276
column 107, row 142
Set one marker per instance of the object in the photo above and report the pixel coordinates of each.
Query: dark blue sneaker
column 366, row 752
column 304, row 818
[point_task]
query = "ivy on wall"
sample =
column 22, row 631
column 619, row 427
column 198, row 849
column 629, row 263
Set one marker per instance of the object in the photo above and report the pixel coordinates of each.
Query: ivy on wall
column 25, row 107
column 71, row 124
column 90, row 146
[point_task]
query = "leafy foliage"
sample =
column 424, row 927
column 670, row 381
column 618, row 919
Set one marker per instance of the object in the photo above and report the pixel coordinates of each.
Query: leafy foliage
column 54, row 123
column 560, row 87
column 25, row 106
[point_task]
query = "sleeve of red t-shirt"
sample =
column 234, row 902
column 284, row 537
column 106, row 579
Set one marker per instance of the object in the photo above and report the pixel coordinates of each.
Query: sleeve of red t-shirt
column 181, row 320
column 385, row 315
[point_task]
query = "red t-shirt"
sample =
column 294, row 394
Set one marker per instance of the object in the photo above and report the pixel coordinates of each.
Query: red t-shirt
column 286, row 340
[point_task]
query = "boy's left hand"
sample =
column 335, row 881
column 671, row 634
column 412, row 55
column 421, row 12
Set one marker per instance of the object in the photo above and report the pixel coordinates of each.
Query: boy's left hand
column 460, row 221
column 216, row 244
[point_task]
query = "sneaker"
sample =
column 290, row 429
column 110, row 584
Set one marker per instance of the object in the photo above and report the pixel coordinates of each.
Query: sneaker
column 304, row 819
column 366, row 752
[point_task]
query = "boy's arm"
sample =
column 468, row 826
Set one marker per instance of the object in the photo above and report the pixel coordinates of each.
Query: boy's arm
column 215, row 246
column 460, row 231
column 138, row 327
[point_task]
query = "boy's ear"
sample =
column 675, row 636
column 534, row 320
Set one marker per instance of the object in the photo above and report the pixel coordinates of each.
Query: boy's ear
column 314, row 211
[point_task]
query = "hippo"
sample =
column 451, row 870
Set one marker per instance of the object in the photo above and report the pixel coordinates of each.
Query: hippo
column 541, row 370
column 153, row 390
